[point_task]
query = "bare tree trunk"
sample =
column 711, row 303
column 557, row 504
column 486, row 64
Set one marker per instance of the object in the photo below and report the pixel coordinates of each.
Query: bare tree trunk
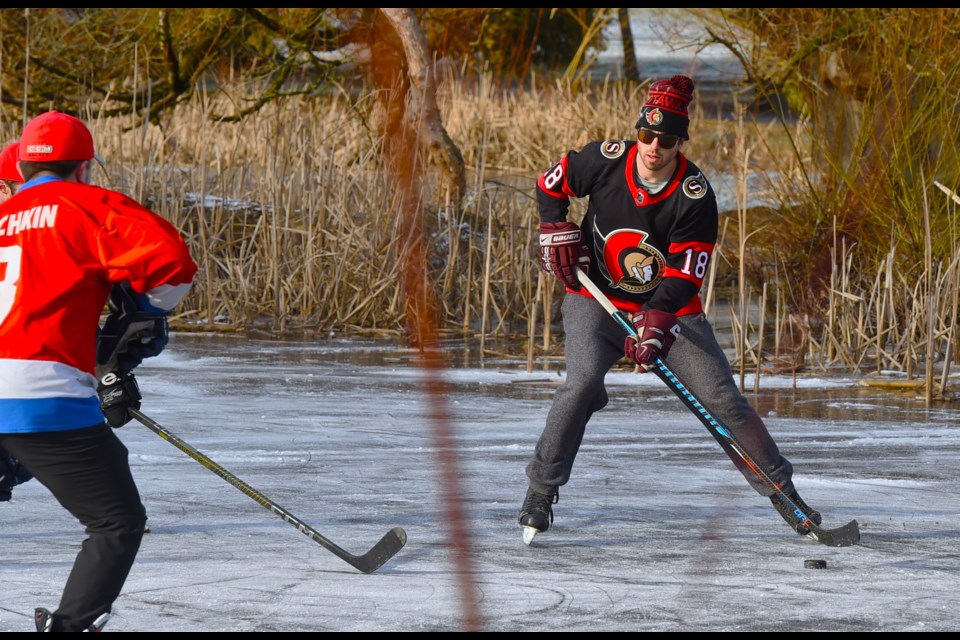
column 630, row 71
column 419, row 127
column 422, row 113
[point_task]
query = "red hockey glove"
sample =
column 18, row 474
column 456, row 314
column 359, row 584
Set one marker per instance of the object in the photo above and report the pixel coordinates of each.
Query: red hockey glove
column 561, row 250
column 657, row 331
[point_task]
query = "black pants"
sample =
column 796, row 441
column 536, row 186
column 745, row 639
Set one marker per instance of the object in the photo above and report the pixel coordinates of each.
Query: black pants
column 87, row 471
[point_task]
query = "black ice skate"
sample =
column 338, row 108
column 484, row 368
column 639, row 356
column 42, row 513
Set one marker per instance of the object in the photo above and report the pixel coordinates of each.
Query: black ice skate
column 44, row 621
column 787, row 512
column 536, row 514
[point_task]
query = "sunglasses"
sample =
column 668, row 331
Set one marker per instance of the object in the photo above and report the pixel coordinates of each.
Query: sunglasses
column 667, row 140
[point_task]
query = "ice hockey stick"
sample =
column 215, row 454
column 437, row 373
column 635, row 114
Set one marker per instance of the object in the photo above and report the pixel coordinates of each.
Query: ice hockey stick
column 844, row 536
column 369, row 562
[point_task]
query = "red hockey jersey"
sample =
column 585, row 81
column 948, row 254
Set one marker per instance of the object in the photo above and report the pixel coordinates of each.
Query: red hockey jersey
column 63, row 245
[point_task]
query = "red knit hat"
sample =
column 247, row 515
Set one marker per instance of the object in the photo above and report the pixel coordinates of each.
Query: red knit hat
column 666, row 107
column 55, row 136
column 8, row 163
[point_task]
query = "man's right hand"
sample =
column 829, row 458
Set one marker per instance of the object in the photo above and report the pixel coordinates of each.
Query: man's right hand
column 562, row 250
column 119, row 392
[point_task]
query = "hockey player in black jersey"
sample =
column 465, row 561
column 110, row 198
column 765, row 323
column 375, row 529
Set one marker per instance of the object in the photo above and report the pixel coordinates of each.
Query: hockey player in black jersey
column 646, row 241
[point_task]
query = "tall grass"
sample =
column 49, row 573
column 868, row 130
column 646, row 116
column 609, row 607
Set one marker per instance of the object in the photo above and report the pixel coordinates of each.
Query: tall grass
column 290, row 216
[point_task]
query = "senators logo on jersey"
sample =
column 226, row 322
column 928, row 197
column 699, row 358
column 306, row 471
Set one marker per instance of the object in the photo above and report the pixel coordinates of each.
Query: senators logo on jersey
column 695, row 187
column 612, row 149
column 630, row 264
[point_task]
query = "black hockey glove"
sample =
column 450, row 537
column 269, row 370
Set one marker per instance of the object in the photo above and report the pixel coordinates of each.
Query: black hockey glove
column 12, row 473
column 130, row 333
column 119, row 392
column 562, row 250
column 657, row 330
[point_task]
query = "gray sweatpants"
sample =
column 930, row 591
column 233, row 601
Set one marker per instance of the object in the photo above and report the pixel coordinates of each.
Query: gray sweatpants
column 594, row 343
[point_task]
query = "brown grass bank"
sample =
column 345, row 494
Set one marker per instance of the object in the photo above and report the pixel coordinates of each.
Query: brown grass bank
column 289, row 216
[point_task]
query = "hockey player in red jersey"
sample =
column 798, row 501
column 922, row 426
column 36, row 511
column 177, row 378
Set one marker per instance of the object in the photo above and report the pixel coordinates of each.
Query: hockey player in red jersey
column 12, row 472
column 10, row 179
column 66, row 247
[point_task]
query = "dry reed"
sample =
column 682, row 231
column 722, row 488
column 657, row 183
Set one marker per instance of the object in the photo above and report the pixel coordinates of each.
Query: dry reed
column 288, row 216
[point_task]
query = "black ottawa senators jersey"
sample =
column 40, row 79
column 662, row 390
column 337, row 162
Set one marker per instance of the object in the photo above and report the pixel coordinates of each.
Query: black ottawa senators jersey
column 643, row 248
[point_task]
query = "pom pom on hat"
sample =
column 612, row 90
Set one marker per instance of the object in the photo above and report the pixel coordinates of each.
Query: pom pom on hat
column 666, row 107
column 55, row 136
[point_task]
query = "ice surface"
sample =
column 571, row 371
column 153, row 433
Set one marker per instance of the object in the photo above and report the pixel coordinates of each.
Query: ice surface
column 656, row 531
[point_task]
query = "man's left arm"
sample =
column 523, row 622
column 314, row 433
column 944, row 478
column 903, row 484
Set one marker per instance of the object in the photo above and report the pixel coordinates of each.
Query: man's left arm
column 689, row 251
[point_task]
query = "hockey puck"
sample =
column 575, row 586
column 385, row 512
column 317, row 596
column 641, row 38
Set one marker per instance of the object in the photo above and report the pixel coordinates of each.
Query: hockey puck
column 815, row 563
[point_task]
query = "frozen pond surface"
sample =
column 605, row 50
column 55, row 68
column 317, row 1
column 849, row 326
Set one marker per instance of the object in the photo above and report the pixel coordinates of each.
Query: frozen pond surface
column 655, row 532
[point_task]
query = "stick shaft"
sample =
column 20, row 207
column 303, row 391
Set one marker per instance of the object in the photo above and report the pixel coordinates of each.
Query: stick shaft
column 392, row 542
column 843, row 536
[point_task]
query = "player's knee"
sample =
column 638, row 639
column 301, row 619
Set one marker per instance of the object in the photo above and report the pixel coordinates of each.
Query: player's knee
column 131, row 522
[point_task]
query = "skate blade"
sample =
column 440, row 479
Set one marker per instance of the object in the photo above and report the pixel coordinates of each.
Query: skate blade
column 529, row 533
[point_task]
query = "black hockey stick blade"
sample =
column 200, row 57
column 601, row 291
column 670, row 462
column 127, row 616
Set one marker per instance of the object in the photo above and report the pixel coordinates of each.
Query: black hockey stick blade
column 847, row 535
column 386, row 548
